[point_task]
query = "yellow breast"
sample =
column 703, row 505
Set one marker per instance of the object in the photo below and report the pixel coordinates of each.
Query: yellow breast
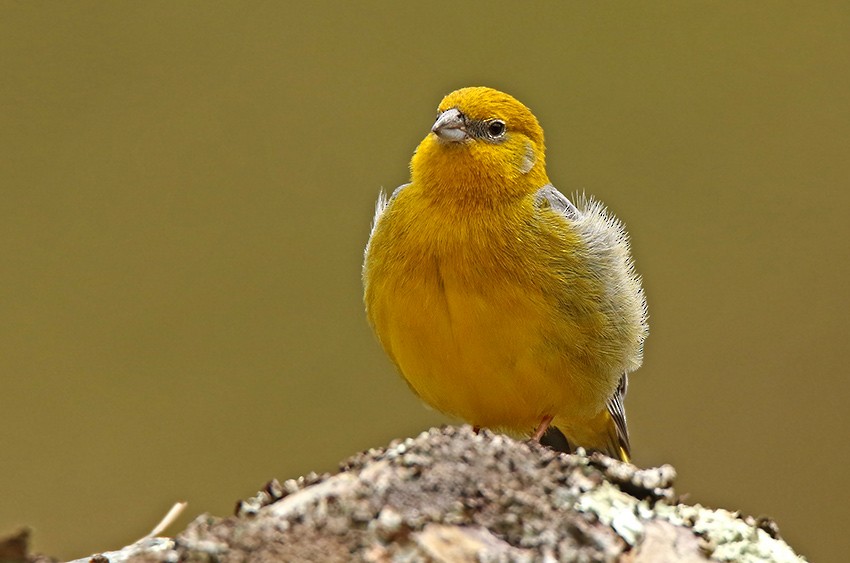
column 468, row 316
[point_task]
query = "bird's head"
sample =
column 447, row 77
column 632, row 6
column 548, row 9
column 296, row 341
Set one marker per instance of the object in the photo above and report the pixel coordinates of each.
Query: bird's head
column 484, row 143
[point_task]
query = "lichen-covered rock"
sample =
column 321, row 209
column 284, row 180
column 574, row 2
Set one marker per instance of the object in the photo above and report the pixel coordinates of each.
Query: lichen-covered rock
column 452, row 495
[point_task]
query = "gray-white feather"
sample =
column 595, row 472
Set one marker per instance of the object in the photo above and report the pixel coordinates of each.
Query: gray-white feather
column 609, row 258
column 381, row 206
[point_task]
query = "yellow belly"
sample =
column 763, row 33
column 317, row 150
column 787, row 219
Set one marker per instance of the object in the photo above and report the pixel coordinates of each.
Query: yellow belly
column 494, row 353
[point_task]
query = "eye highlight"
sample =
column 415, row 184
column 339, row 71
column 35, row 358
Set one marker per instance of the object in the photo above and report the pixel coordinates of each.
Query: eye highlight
column 495, row 128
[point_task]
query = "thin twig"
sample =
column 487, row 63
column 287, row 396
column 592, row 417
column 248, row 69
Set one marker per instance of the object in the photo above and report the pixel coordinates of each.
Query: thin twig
column 168, row 519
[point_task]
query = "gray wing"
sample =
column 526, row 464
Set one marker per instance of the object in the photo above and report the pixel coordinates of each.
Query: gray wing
column 590, row 219
column 551, row 197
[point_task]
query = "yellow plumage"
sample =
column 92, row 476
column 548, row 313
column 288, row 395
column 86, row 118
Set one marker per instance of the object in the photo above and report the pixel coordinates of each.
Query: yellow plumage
column 499, row 300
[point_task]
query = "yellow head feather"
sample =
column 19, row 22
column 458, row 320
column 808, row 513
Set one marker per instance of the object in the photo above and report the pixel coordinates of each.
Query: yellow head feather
column 478, row 166
column 482, row 103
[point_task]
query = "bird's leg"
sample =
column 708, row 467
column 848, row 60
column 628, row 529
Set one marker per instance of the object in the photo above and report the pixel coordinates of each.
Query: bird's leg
column 476, row 429
column 541, row 428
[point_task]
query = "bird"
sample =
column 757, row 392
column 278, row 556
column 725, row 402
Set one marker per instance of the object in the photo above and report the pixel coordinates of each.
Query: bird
column 499, row 300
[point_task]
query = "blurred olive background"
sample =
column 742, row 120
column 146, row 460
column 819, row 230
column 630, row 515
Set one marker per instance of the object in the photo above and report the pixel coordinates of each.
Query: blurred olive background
column 187, row 189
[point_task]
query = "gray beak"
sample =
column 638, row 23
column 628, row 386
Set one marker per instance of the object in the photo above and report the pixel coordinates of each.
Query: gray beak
column 450, row 126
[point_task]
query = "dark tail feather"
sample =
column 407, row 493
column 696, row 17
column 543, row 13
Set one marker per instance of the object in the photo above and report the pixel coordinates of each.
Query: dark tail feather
column 618, row 413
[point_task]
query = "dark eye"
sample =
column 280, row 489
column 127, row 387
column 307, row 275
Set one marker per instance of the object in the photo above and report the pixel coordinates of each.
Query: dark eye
column 496, row 128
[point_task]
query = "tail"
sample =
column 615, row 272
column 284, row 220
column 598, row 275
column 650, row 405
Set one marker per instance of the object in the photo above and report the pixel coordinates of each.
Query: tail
column 606, row 432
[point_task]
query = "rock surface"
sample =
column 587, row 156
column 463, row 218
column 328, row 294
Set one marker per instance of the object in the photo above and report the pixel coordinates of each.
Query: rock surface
column 450, row 495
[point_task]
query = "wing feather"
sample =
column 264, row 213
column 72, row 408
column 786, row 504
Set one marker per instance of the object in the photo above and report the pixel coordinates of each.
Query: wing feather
column 618, row 412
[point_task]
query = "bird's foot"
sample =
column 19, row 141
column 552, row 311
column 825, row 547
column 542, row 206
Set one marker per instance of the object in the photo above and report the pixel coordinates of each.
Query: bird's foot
column 541, row 428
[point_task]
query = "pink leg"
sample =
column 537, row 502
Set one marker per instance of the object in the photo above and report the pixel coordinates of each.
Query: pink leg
column 541, row 429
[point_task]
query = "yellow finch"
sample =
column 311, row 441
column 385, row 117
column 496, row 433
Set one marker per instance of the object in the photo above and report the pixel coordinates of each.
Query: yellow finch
column 499, row 300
